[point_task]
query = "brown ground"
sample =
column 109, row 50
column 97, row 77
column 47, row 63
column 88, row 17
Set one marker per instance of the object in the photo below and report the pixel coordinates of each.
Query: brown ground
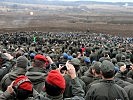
column 121, row 30
column 120, row 24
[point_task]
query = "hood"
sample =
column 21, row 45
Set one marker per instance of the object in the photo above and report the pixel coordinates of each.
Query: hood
column 35, row 76
column 16, row 72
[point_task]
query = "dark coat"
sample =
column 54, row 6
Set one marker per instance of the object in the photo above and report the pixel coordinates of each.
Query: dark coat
column 123, row 77
column 129, row 90
column 77, row 92
column 37, row 77
column 68, row 91
column 5, row 65
column 106, row 90
column 8, row 96
column 8, row 78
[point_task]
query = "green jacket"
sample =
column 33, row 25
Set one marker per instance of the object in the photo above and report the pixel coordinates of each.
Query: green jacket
column 130, row 74
column 123, row 77
column 106, row 90
column 5, row 68
column 77, row 92
column 37, row 77
column 8, row 96
column 129, row 90
column 8, row 78
column 69, row 91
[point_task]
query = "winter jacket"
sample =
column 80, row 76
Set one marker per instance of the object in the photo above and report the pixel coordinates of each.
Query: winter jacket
column 68, row 91
column 77, row 92
column 8, row 96
column 5, row 65
column 37, row 77
column 8, row 78
column 129, row 90
column 106, row 90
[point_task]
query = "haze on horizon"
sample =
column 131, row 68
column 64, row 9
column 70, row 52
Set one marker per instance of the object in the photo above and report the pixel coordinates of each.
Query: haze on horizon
column 103, row 0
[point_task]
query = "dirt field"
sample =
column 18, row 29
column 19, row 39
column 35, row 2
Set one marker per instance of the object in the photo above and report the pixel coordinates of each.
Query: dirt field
column 117, row 21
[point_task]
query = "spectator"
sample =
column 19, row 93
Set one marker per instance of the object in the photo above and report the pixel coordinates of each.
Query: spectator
column 20, row 69
column 68, row 91
column 55, row 85
column 37, row 72
column 106, row 89
column 20, row 89
column 5, row 65
column 129, row 90
column 122, row 74
column 130, row 73
column 96, row 74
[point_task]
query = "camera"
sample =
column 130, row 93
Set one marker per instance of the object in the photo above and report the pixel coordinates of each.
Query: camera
column 63, row 67
column 128, row 66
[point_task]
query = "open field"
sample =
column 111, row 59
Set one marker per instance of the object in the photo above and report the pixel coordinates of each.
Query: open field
column 111, row 19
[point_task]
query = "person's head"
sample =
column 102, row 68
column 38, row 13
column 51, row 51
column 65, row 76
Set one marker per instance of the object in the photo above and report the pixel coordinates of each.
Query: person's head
column 87, row 60
column 122, row 66
column 22, row 62
column 3, row 58
column 4, row 51
column 18, row 53
column 114, row 60
column 123, row 58
column 105, row 54
column 93, row 50
column 107, row 69
column 40, row 61
column 23, row 87
column 96, row 68
column 76, row 63
column 32, row 55
column 55, row 83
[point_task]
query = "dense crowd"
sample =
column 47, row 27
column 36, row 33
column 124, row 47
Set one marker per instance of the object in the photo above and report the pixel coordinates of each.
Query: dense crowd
column 65, row 66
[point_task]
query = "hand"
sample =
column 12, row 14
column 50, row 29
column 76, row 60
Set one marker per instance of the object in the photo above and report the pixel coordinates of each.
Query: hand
column 71, row 70
column 49, row 59
column 79, row 55
column 10, row 89
column 59, row 69
column 131, row 66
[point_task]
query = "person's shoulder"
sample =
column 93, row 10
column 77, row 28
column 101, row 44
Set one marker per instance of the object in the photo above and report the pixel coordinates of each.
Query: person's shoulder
column 96, row 85
column 119, row 87
column 31, row 98
column 129, row 87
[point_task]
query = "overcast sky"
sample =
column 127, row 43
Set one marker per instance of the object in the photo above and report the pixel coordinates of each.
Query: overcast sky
column 104, row 0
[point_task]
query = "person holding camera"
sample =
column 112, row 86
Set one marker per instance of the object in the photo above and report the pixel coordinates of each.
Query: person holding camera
column 130, row 73
column 122, row 73
column 106, row 89
column 55, row 85
column 68, row 91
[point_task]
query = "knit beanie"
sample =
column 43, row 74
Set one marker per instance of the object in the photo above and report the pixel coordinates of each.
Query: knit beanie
column 22, row 62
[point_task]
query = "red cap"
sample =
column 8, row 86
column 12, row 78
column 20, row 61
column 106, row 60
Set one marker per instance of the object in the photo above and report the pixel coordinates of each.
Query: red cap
column 40, row 57
column 55, row 78
column 22, row 82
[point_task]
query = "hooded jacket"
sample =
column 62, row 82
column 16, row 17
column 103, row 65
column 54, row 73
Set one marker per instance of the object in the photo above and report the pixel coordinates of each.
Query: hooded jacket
column 37, row 77
column 8, row 78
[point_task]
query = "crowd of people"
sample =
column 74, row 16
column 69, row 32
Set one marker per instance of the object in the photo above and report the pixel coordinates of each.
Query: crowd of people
column 65, row 66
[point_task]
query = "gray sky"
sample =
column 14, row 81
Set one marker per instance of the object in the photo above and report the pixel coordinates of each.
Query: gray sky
column 104, row 0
